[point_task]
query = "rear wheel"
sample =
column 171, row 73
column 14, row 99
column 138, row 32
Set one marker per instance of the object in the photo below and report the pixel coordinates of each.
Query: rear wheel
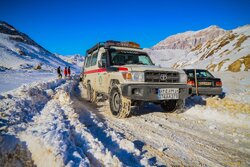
column 91, row 94
column 120, row 106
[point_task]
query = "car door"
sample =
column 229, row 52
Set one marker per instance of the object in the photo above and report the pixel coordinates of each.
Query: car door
column 102, row 74
column 93, row 73
column 85, row 74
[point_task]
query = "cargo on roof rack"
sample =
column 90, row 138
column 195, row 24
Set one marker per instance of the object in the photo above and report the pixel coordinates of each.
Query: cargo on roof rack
column 110, row 43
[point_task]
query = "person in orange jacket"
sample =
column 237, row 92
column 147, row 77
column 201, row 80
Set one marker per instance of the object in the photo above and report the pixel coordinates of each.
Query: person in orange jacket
column 65, row 72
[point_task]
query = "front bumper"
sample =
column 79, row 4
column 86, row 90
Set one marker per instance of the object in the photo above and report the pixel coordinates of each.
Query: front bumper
column 150, row 92
column 207, row 90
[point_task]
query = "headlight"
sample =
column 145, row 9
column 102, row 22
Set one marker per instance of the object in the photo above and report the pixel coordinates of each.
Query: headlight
column 138, row 76
column 183, row 78
column 134, row 76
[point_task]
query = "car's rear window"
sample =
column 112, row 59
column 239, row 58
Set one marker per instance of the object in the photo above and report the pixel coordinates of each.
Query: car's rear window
column 200, row 73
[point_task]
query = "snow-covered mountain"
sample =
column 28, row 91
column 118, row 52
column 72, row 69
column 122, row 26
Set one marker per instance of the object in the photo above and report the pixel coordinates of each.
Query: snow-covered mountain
column 216, row 50
column 189, row 39
column 77, row 59
column 19, row 51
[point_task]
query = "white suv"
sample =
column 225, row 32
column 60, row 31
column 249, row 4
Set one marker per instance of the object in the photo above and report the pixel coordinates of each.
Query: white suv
column 125, row 74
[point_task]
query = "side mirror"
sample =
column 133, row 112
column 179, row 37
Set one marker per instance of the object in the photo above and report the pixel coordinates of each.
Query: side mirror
column 101, row 64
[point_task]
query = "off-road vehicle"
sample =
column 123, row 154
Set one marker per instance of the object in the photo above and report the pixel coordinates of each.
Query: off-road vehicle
column 124, row 73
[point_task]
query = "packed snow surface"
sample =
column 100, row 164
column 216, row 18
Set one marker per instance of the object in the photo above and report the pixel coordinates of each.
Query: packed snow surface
column 48, row 123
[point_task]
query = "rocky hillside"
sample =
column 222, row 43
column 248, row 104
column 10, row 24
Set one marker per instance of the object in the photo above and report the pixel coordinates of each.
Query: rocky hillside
column 19, row 51
column 226, row 51
column 190, row 39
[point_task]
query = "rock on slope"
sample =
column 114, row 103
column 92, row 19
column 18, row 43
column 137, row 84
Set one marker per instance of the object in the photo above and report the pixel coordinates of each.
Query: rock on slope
column 220, row 51
column 19, row 51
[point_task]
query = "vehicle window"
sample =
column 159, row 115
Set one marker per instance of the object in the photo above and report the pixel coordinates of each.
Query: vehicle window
column 144, row 59
column 191, row 74
column 85, row 62
column 103, row 58
column 200, row 74
column 94, row 59
column 123, row 57
column 204, row 74
column 88, row 61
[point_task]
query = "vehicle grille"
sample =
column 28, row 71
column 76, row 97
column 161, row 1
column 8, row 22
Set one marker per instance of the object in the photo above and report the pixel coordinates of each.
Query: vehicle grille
column 156, row 76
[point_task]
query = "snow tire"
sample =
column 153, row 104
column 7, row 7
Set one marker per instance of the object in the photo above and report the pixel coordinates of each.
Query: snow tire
column 120, row 106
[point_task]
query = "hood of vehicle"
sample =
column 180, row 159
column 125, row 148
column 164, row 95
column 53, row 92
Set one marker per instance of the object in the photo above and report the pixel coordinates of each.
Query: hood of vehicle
column 149, row 68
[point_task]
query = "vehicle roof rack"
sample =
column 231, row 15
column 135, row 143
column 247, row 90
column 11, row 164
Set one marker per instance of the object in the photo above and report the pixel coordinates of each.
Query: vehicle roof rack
column 95, row 47
column 110, row 43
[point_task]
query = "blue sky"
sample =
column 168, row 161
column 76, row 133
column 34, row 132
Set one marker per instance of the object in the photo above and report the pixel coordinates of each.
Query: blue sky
column 72, row 26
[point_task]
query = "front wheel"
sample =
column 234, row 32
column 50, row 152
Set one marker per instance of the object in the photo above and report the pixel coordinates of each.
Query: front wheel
column 169, row 105
column 119, row 106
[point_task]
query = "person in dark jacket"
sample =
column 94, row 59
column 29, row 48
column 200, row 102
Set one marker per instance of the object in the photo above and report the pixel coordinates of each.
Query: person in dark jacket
column 59, row 72
column 65, row 72
column 69, row 71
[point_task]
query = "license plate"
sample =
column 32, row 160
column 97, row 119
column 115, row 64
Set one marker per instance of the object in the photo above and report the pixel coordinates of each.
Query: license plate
column 168, row 93
column 205, row 83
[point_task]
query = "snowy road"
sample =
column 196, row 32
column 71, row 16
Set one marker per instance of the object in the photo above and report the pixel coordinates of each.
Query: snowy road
column 49, row 124
column 174, row 139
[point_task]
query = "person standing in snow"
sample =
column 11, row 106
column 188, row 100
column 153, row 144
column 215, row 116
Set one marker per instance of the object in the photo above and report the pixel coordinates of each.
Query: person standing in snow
column 69, row 71
column 59, row 72
column 65, row 72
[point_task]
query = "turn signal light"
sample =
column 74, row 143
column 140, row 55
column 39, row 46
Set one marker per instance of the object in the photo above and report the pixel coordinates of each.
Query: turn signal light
column 218, row 83
column 190, row 82
column 127, row 76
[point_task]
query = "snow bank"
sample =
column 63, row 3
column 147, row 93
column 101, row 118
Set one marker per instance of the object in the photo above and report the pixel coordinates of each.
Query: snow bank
column 225, row 111
column 228, row 104
column 17, row 109
column 41, row 120
column 20, row 105
column 13, row 152
column 58, row 133
column 236, row 85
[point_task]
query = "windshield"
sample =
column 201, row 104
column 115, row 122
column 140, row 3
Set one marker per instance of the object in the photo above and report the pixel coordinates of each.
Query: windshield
column 200, row 74
column 124, row 57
